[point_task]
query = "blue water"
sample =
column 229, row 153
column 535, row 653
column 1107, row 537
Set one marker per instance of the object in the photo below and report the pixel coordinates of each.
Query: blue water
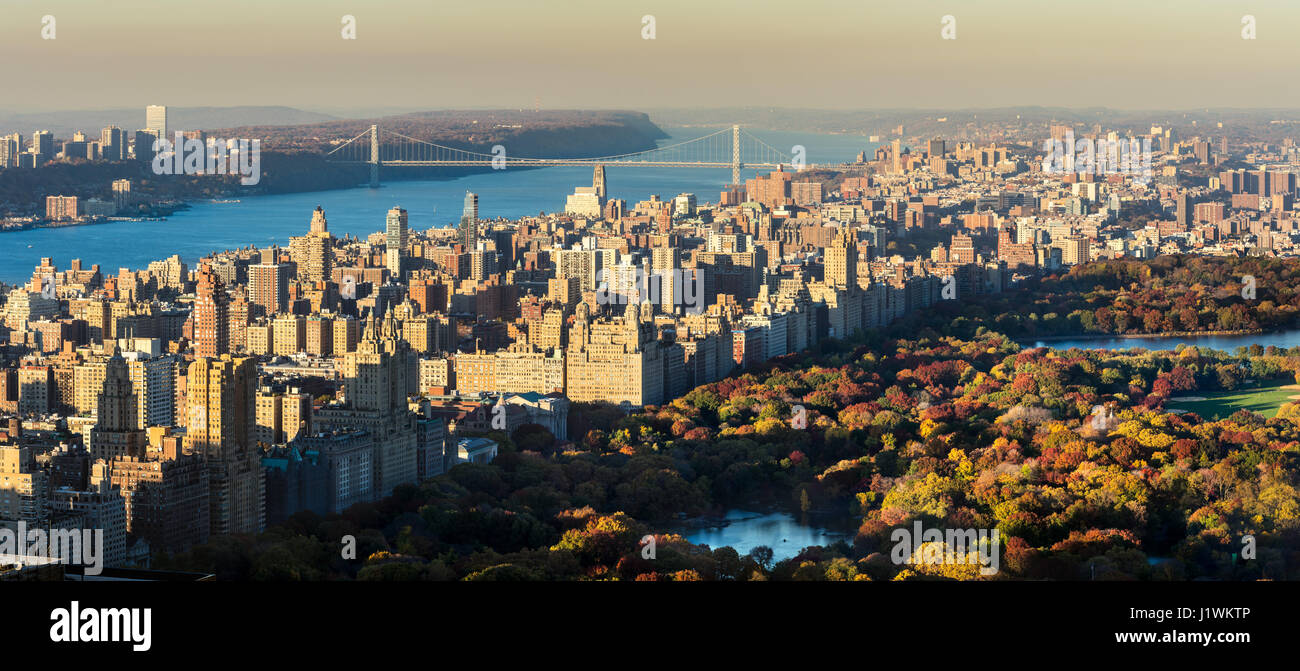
column 1224, row 343
column 747, row 530
column 264, row 220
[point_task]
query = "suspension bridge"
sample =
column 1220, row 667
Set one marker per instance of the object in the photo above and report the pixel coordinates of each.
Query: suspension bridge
column 727, row 148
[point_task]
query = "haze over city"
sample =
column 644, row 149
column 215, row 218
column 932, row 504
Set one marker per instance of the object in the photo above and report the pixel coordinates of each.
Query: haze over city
column 591, row 54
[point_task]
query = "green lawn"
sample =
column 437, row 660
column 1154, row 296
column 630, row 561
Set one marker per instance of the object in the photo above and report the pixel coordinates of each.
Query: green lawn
column 1264, row 399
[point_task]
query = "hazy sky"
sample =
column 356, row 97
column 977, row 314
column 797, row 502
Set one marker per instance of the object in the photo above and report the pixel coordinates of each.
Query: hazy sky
column 590, row 53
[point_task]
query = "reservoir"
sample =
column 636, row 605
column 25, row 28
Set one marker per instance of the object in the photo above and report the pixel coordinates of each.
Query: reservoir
column 1224, row 343
column 745, row 530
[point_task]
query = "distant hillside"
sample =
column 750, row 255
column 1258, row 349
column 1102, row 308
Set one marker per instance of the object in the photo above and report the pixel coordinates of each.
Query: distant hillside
column 64, row 123
column 547, row 133
column 956, row 122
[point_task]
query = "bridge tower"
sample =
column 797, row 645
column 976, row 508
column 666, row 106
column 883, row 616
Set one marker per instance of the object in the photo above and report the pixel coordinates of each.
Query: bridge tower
column 374, row 156
column 735, row 155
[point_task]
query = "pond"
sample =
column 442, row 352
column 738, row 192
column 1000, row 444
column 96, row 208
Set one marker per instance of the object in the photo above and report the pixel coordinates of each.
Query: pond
column 745, row 530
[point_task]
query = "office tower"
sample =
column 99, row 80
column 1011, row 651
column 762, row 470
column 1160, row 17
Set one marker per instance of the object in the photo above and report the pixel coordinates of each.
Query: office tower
column 268, row 287
column 112, row 144
column 314, row 253
column 468, row 233
column 43, row 146
column 841, row 266
column 211, row 325
column 219, row 425
column 598, row 182
column 155, row 120
column 395, row 241
column 144, row 145
column 117, row 431
column 10, row 147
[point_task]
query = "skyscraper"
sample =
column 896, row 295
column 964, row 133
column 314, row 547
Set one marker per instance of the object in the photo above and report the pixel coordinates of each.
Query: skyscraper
column 1184, row 211
column 395, row 241
column 219, row 426
column 598, row 181
column 268, row 287
column 155, row 119
column 43, row 146
column 842, row 261
column 10, row 147
column 210, row 315
column 117, row 432
column 377, row 379
column 112, row 143
column 314, row 252
column 143, row 145
column 469, row 222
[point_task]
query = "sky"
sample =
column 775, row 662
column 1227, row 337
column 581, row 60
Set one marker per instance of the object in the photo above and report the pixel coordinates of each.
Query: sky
column 842, row 54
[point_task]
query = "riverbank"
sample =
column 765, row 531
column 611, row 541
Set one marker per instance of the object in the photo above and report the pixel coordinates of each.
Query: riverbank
column 157, row 214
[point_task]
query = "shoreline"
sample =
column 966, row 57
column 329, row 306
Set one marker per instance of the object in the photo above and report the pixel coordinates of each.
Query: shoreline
column 1169, row 334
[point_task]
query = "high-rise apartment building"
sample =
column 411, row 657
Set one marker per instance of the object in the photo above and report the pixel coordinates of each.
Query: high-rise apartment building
column 211, row 321
column 219, row 426
column 841, row 264
column 43, row 146
column 395, row 241
column 117, row 431
column 468, row 233
column 268, row 287
column 314, row 253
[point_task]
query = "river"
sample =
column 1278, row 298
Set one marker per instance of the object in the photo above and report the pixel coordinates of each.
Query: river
column 263, row 220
